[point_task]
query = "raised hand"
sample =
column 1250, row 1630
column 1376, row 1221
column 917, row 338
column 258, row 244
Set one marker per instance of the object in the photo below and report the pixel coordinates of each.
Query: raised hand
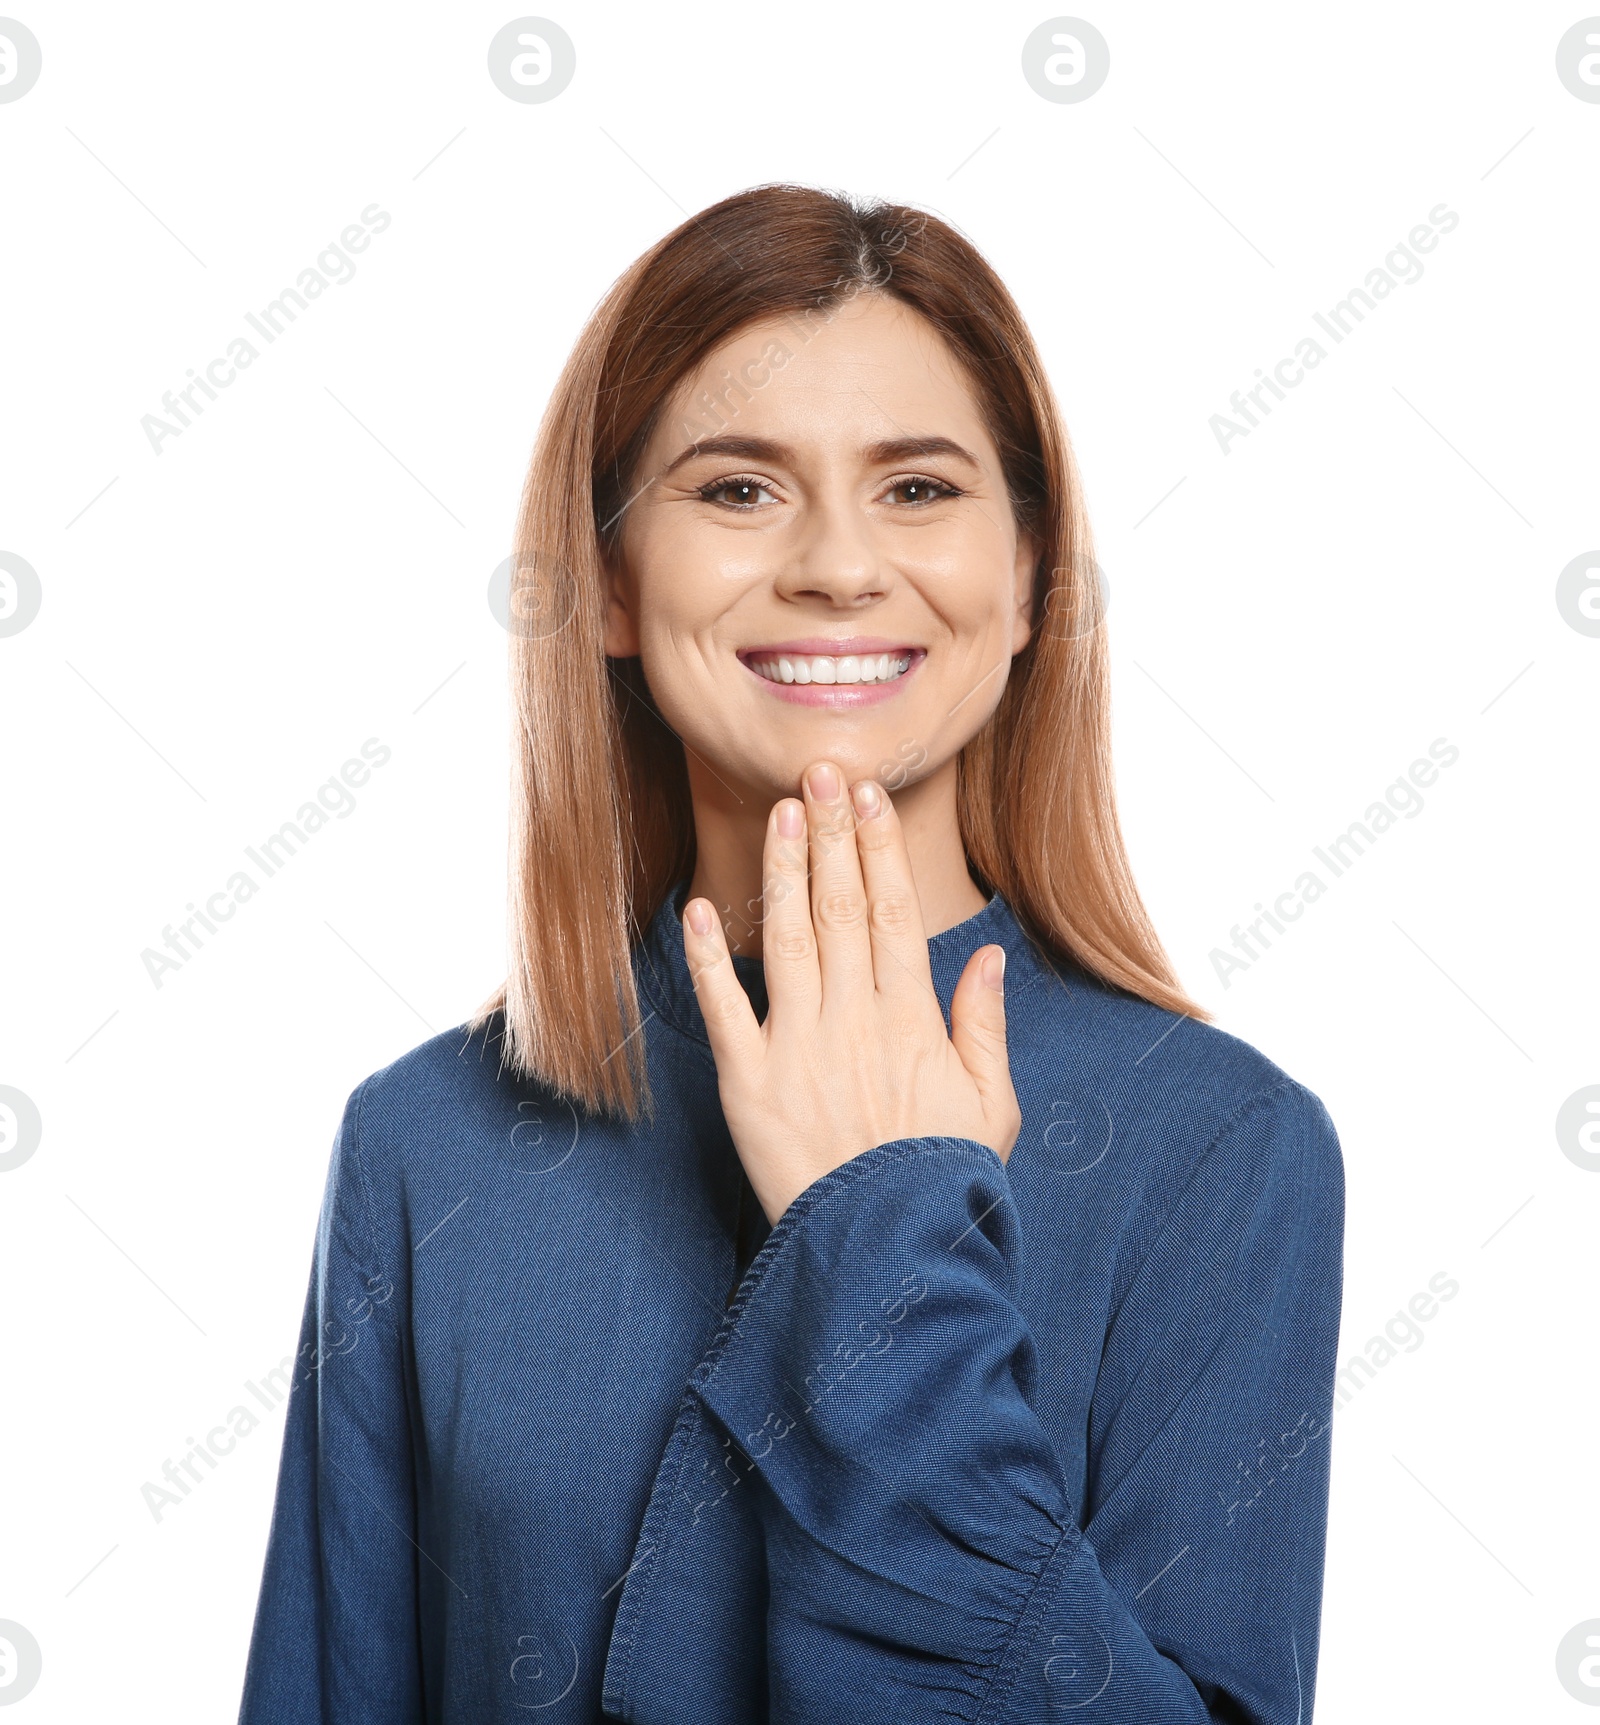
column 853, row 1052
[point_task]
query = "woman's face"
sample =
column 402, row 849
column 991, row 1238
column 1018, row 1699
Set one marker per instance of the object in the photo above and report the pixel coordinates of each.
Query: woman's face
column 832, row 568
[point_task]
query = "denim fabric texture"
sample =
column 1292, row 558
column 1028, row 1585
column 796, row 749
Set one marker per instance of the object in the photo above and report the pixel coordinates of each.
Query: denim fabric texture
column 575, row 1435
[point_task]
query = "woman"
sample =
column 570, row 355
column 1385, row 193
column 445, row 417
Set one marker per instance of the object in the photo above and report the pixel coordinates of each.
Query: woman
column 839, row 1276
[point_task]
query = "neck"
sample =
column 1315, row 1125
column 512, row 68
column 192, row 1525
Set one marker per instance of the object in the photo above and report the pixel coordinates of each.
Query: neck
column 730, row 835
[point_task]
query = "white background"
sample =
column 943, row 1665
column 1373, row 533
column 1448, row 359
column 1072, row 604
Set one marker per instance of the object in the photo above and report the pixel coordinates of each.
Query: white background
column 224, row 623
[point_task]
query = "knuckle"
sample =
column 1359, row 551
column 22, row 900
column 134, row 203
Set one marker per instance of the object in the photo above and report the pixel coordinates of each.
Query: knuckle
column 792, row 945
column 705, row 968
column 839, row 910
column 726, row 1008
column 836, row 824
column 876, row 838
column 989, row 1035
column 789, row 855
column 891, row 913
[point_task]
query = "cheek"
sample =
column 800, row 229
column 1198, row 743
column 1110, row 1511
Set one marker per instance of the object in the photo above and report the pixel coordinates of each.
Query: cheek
column 669, row 588
column 686, row 594
column 678, row 607
column 971, row 589
column 972, row 560
column 687, row 570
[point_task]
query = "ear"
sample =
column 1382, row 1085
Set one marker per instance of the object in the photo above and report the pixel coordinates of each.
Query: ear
column 1029, row 551
column 622, row 622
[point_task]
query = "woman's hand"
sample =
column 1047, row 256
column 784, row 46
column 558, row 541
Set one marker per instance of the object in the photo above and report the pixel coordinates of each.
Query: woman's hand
column 853, row 1052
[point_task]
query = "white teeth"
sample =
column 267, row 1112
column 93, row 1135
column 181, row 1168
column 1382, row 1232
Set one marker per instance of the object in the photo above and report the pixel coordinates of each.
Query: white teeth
column 825, row 668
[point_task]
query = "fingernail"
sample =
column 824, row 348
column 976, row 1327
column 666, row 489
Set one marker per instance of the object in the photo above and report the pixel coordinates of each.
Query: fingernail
column 823, row 781
column 866, row 798
column 994, row 968
column 791, row 818
column 700, row 916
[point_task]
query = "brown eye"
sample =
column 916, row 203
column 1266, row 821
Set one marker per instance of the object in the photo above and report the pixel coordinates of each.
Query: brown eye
column 920, row 491
column 737, row 493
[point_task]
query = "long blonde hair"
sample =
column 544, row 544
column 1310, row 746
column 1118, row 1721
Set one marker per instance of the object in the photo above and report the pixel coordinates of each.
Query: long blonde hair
column 601, row 821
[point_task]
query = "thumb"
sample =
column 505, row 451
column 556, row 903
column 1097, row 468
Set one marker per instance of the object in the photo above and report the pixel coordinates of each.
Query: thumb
column 978, row 1030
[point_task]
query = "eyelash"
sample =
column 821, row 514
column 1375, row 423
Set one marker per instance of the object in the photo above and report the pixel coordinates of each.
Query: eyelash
column 942, row 488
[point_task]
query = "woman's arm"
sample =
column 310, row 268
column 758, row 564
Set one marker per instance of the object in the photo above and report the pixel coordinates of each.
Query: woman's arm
column 921, row 1559
column 335, row 1640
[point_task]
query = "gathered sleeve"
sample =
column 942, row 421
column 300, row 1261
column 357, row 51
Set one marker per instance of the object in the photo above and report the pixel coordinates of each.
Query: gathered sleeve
column 859, row 1455
column 336, row 1631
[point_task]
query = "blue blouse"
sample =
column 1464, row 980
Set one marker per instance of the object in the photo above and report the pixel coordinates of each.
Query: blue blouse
column 574, row 1432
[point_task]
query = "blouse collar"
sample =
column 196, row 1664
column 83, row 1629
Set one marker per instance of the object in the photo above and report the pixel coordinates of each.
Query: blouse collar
column 662, row 968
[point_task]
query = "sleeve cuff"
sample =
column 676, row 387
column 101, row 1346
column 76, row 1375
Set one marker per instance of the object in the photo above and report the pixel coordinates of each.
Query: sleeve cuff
column 876, row 1373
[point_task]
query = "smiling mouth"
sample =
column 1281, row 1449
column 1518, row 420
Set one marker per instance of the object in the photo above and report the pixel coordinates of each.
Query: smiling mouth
column 832, row 668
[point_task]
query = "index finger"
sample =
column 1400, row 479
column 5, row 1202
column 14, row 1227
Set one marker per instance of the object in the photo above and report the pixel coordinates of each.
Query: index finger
column 894, row 912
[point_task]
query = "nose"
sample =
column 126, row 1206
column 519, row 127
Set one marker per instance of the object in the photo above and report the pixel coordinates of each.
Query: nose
column 834, row 556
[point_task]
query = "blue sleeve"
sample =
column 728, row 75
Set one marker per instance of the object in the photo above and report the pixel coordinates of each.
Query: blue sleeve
column 919, row 1557
column 335, row 1639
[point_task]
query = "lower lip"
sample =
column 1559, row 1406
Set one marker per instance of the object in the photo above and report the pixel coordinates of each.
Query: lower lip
column 840, row 694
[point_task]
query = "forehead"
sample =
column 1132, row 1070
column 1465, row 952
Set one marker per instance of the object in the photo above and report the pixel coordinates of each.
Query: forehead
column 871, row 363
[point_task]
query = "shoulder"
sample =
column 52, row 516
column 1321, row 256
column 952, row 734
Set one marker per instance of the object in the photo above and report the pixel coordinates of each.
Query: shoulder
column 1175, row 1095
column 454, row 1061
column 1215, row 1159
column 1140, row 1049
column 440, row 1103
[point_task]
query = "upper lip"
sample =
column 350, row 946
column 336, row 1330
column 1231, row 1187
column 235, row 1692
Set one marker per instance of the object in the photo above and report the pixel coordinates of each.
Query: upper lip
column 832, row 648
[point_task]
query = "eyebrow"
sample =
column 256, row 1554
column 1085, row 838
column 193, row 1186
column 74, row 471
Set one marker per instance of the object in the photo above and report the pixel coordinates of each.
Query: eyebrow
column 890, row 450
